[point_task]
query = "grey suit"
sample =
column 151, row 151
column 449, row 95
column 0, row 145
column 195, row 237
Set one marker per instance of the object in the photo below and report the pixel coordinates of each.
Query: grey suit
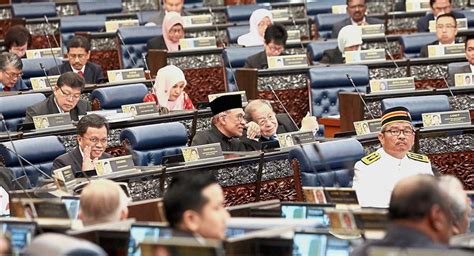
column 452, row 70
column 158, row 18
column 332, row 56
column 258, row 61
column 74, row 159
column 48, row 106
column 338, row 26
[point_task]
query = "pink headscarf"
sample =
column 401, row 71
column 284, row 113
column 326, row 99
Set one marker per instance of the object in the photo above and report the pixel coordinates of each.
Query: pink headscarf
column 171, row 19
column 166, row 78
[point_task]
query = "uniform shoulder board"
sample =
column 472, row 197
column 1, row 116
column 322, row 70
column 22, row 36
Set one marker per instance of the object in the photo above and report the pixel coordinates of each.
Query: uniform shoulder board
column 418, row 157
column 369, row 159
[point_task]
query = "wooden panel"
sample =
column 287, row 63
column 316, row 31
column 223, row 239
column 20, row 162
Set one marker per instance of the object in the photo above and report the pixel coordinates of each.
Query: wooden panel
column 204, row 81
column 459, row 164
column 296, row 102
column 107, row 59
column 351, row 109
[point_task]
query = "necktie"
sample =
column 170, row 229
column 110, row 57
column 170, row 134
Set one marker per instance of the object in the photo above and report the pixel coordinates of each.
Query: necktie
column 80, row 73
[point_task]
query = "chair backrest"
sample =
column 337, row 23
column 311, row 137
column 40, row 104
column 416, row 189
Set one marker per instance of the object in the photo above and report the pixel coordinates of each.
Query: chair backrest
column 34, row 10
column 80, row 23
column 412, row 44
column 40, row 151
column 111, row 98
column 149, row 143
column 14, row 108
column 32, row 68
column 469, row 16
column 234, row 58
column 327, row 82
column 234, row 32
column 325, row 21
column 144, row 16
column 135, row 40
column 322, row 6
column 336, row 166
column 317, row 48
column 419, row 105
column 97, row 7
column 236, row 13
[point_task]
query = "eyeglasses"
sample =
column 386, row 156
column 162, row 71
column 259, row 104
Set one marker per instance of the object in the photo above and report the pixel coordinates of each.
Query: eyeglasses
column 96, row 140
column 239, row 117
column 447, row 26
column 13, row 75
column 406, row 132
column 274, row 48
column 70, row 96
column 270, row 117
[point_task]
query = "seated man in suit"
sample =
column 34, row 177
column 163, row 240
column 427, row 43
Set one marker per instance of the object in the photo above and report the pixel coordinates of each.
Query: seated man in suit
column 275, row 41
column 438, row 7
column 356, row 10
column 168, row 6
column 65, row 98
column 78, row 54
column 194, row 207
column 92, row 132
column 11, row 72
column 468, row 67
column 446, row 30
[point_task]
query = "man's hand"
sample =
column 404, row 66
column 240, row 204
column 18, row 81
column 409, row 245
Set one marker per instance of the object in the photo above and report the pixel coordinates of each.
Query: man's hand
column 309, row 123
column 253, row 130
column 86, row 159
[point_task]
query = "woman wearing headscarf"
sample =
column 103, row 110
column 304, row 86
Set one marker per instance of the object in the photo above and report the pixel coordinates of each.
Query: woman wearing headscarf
column 259, row 21
column 173, row 30
column 169, row 89
column 349, row 39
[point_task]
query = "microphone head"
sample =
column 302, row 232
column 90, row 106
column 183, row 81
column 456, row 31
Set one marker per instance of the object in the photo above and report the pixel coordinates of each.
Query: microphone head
column 41, row 65
column 2, row 118
column 348, row 76
column 269, row 87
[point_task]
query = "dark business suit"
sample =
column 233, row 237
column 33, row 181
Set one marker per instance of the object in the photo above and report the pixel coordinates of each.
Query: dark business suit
column 92, row 72
column 157, row 42
column 48, row 106
column 457, row 70
column 258, row 61
column 6, row 177
column 284, row 125
column 74, row 159
column 338, row 26
column 158, row 18
column 424, row 49
column 423, row 24
column 332, row 56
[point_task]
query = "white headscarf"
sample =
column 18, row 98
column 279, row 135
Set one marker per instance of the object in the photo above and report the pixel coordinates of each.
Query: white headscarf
column 166, row 78
column 349, row 35
column 253, row 38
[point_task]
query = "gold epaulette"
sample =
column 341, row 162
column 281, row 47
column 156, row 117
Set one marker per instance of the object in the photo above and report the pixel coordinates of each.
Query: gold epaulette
column 372, row 158
column 418, row 157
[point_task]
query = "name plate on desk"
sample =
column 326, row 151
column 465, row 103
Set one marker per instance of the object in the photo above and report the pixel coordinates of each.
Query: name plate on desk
column 291, row 139
column 40, row 83
column 461, row 25
column 202, row 152
column 114, row 164
column 46, row 52
column 64, row 178
column 197, row 43
column 373, row 30
column 52, row 120
column 140, row 109
column 404, row 83
column 341, row 220
column 294, row 36
column 242, row 94
column 367, row 126
column 300, row 60
column 452, row 50
column 315, row 195
column 197, row 20
column 463, row 79
column 339, row 9
column 125, row 74
column 113, row 25
column 446, row 118
column 365, row 55
column 341, row 195
column 280, row 14
column 417, row 5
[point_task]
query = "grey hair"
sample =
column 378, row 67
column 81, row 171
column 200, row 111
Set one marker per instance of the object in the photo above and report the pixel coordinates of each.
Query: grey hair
column 8, row 58
column 253, row 106
column 216, row 117
column 453, row 188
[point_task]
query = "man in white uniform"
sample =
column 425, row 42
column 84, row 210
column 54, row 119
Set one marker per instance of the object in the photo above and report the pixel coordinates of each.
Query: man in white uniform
column 376, row 174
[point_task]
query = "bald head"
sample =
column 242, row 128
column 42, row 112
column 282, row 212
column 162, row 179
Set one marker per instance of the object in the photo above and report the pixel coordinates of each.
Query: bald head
column 103, row 201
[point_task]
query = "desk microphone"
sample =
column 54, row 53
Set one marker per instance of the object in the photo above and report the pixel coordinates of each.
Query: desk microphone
column 390, row 54
column 445, row 81
column 215, row 26
column 47, row 77
column 49, row 25
column 360, row 95
column 294, row 24
column 144, row 61
column 51, row 47
column 126, row 48
column 281, row 104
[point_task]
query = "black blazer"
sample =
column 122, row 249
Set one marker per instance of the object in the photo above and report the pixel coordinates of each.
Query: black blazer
column 332, row 56
column 338, row 26
column 74, row 159
column 258, row 61
column 48, row 106
column 157, row 42
column 92, row 73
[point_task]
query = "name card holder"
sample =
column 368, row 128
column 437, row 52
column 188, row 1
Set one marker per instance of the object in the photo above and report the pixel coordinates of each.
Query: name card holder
column 61, row 120
column 280, row 15
column 461, row 25
column 367, row 126
column 132, row 74
column 417, row 5
column 197, row 21
column 362, row 56
column 463, row 79
column 41, row 84
column 202, row 153
column 197, row 43
column 374, row 30
column 65, row 179
column 342, row 222
column 46, row 52
column 393, row 84
column 284, row 61
column 112, row 25
column 291, row 139
column 339, row 9
column 140, row 109
column 461, row 117
column 294, row 36
column 242, row 94
column 451, row 50
column 122, row 164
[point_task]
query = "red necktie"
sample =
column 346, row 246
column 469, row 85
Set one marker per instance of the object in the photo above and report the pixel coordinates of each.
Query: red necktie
column 80, row 73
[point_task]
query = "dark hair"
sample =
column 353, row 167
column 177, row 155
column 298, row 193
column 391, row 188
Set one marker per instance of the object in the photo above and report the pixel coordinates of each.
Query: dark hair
column 17, row 35
column 448, row 15
column 276, row 33
column 91, row 120
column 79, row 42
column 469, row 37
column 8, row 58
column 185, row 193
column 416, row 202
column 348, row 1
column 433, row 1
column 72, row 80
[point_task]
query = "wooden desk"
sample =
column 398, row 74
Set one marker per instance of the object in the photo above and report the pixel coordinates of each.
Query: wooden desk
column 331, row 126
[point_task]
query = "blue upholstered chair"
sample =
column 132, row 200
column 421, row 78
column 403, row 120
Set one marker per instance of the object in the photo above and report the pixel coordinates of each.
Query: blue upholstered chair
column 411, row 44
column 191, row 4
column 135, row 40
column 112, row 98
column 234, row 32
column 419, row 105
column 14, row 108
column 241, row 13
column 336, row 167
column 32, row 68
column 325, row 21
column 322, row 6
column 149, row 143
column 469, row 16
column 317, row 48
column 235, row 58
column 40, row 151
column 34, row 10
column 81, row 23
column 98, row 7
column 144, row 16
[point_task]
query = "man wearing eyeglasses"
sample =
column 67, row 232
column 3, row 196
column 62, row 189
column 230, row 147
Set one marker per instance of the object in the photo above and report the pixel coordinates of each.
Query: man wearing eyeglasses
column 275, row 40
column 438, row 7
column 65, row 99
column 92, row 132
column 356, row 10
column 78, row 54
column 376, row 174
column 446, row 31
column 10, row 73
